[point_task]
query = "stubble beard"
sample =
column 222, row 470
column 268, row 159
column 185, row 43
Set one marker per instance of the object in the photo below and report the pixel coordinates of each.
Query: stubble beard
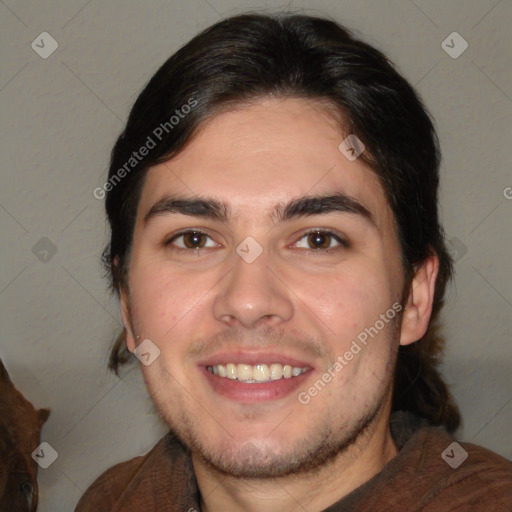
column 309, row 454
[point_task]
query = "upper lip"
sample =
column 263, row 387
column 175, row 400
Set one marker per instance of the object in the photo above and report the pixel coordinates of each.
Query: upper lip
column 253, row 358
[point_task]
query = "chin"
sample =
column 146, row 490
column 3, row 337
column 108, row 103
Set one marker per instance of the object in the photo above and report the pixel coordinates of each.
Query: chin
column 260, row 458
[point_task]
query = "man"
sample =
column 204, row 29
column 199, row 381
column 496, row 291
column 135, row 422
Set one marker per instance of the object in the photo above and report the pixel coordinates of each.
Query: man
column 280, row 265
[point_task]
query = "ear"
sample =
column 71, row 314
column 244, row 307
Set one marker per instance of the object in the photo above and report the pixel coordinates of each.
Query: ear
column 418, row 307
column 4, row 375
column 42, row 416
column 126, row 317
column 3, row 371
column 124, row 298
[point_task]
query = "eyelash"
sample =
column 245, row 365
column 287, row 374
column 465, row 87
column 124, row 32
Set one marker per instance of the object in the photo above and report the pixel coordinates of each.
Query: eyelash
column 326, row 232
column 182, row 233
column 343, row 243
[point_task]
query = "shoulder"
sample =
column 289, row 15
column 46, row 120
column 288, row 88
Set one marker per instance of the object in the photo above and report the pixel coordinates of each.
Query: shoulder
column 108, row 488
column 433, row 472
column 463, row 476
column 483, row 480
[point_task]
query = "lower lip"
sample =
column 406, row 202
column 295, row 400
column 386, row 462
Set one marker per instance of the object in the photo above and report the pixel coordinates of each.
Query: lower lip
column 253, row 393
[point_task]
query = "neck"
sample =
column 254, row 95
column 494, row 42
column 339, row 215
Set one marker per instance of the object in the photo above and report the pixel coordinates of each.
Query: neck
column 313, row 491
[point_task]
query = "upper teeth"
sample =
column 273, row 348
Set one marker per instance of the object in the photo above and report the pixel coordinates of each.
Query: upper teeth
column 256, row 373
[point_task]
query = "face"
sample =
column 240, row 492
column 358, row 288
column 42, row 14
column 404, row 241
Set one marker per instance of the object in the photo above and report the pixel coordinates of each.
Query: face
column 20, row 428
column 261, row 258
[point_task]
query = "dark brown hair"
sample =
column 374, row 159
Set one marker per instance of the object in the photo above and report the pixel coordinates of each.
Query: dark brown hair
column 247, row 57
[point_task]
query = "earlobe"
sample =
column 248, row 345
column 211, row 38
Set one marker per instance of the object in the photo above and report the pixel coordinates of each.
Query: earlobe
column 418, row 307
column 126, row 317
column 125, row 311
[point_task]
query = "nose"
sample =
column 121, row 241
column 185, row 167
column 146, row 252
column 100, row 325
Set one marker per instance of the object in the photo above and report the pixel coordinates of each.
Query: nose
column 252, row 294
column 27, row 489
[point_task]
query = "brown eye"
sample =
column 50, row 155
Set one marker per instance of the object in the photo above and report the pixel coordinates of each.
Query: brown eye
column 191, row 240
column 194, row 240
column 319, row 240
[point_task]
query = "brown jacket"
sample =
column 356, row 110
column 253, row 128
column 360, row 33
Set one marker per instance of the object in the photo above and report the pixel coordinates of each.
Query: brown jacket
column 417, row 479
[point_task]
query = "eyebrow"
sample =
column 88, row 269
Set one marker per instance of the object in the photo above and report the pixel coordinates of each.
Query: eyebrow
column 301, row 207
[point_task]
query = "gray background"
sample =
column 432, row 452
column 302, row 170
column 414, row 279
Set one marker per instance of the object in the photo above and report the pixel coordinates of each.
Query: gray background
column 61, row 116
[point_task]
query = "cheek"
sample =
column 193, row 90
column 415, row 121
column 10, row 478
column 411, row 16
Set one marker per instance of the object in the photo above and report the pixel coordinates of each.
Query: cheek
column 348, row 300
column 160, row 300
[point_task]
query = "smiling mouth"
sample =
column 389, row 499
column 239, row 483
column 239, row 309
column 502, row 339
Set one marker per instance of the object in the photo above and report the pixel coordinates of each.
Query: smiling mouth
column 256, row 374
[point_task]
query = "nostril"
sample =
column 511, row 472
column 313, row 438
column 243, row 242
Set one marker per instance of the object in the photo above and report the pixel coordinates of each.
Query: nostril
column 28, row 491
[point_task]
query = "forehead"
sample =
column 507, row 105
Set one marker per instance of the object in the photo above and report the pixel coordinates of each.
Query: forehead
column 264, row 154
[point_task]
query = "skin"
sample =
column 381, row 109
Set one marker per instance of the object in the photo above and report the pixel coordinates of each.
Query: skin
column 294, row 299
